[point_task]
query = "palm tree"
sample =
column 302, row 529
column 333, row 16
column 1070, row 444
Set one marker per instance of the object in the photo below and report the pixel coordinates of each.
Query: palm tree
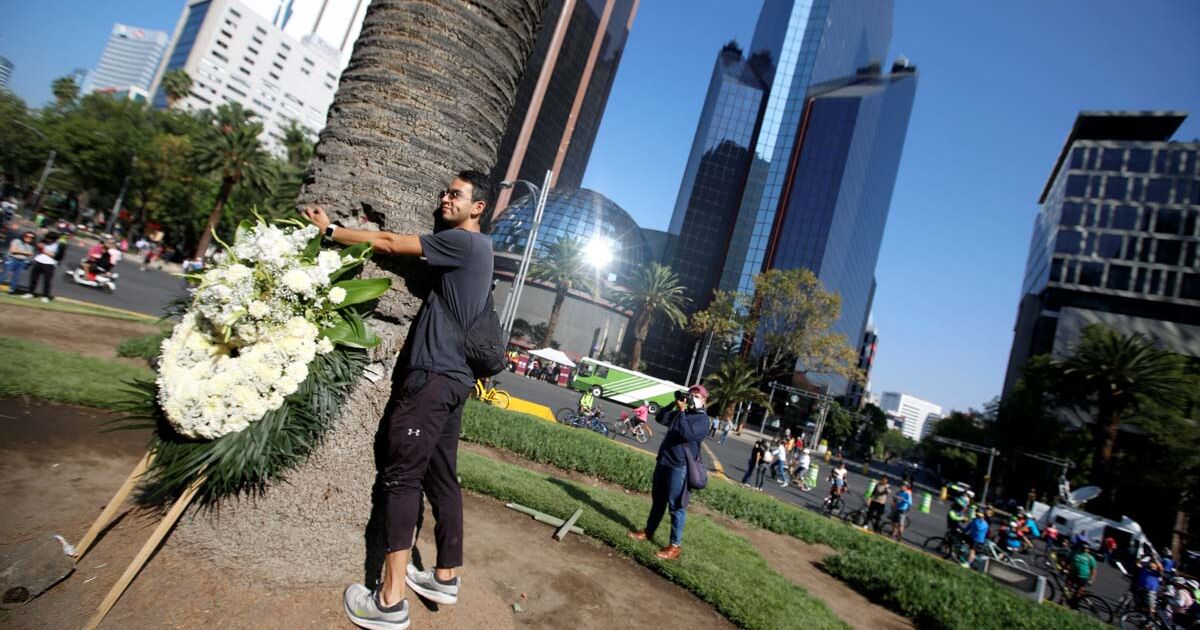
column 233, row 150
column 391, row 141
column 652, row 291
column 1115, row 372
column 176, row 84
column 296, row 139
column 564, row 267
column 65, row 91
column 735, row 382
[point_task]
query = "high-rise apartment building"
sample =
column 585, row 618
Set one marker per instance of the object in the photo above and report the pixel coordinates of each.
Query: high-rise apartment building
column 556, row 131
column 916, row 417
column 820, row 130
column 1115, row 241
column 856, row 397
column 130, row 59
column 235, row 54
column 6, row 72
column 336, row 23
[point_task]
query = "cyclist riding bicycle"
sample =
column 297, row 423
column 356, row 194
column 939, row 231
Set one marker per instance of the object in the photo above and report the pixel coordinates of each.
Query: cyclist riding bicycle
column 640, row 414
column 1081, row 570
column 587, row 403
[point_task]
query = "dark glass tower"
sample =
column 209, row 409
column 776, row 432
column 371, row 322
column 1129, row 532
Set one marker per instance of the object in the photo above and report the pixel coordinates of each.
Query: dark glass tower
column 1115, row 241
column 583, row 74
column 821, row 165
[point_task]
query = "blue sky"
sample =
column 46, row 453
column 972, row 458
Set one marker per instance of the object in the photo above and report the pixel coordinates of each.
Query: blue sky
column 999, row 88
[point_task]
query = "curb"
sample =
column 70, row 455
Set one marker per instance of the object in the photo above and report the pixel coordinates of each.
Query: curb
column 716, row 463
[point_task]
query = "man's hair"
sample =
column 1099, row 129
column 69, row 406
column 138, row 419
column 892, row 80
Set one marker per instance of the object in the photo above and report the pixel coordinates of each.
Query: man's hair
column 481, row 187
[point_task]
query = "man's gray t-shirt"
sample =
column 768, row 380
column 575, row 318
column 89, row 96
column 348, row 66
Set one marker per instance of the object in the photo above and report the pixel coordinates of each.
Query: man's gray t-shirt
column 462, row 264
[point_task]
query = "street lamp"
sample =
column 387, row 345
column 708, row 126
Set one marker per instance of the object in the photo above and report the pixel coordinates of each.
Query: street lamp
column 509, row 313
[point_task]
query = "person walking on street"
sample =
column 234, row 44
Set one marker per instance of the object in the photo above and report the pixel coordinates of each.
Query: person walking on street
column 800, row 472
column 17, row 259
column 420, row 434
column 686, row 426
column 726, row 427
column 756, row 455
column 715, row 425
column 901, row 504
column 44, row 264
column 781, row 470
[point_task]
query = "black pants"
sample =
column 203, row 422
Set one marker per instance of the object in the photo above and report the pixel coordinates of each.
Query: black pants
column 422, row 454
column 46, row 273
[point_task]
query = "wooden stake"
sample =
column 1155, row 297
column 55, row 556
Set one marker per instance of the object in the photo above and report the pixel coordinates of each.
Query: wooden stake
column 562, row 531
column 143, row 555
column 111, row 509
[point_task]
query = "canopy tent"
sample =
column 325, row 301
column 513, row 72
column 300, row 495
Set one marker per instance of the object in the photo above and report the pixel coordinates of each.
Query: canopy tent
column 556, row 356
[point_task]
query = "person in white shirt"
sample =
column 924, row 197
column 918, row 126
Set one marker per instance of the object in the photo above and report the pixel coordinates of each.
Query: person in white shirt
column 801, row 469
column 44, row 264
column 781, row 469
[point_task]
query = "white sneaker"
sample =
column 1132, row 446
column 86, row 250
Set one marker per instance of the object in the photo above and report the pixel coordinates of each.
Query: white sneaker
column 27, row 296
column 426, row 584
column 363, row 609
column 46, row 300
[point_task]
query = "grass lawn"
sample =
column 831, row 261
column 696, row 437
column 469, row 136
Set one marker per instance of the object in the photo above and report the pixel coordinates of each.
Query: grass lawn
column 65, row 305
column 35, row 370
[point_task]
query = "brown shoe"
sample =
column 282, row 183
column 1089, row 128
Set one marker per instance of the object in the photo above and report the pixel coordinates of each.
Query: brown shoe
column 670, row 552
column 638, row 535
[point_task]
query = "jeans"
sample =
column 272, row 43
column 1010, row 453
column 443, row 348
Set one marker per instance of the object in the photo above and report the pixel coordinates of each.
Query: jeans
column 781, row 471
column 724, row 436
column 762, row 474
column 667, row 492
column 13, row 268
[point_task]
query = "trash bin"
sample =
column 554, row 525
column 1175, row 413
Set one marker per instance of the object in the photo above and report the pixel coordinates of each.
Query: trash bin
column 926, row 502
column 870, row 488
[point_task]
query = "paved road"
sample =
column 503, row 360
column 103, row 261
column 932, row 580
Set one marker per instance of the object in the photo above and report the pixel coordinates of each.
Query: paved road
column 735, row 454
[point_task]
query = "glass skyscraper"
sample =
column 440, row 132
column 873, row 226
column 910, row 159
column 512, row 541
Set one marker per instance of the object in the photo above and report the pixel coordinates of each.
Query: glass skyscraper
column 820, row 158
column 130, row 60
column 568, row 116
column 1115, row 241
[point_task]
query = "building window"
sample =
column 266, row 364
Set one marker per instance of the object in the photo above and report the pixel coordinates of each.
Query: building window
column 219, row 56
column 284, row 45
column 222, row 44
column 1139, row 283
column 257, row 40
column 1115, row 188
column 1110, row 246
column 1168, row 222
column 1112, row 159
column 1169, row 284
column 308, row 62
column 1167, row 252
column 1139, row 161
column 1090, row 274
column 1138, row 186
column 234, row 12
column 1077, row 158
column 1155, row 281
column 1071, row 211
column 248, row 60
column 261, row 30
column 253, row 50
column 1131, row 248
column 1077, row 185
column 273, row 75
column 235, row 91
column 1056, row 270
column 305, row 72
column 1118, row 277
column 1068, row 242
column 243, row 70
column 1189, row 256
column 1124, row 217
column 1189, row 288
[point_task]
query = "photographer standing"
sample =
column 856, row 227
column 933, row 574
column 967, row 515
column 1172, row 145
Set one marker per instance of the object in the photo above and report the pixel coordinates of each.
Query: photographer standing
column 687, row 426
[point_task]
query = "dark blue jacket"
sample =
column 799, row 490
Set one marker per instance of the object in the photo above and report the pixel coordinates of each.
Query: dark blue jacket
column 684, row 428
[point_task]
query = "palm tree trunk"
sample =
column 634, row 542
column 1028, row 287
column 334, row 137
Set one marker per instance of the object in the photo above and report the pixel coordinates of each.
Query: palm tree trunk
column 427, row 91
column 560, row 296
column 639, row 337
column 1105, row 440
column 214, row 217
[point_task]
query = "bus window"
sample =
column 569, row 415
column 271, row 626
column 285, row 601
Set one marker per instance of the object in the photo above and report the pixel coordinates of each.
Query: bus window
column 585, row 369
column 601, row 371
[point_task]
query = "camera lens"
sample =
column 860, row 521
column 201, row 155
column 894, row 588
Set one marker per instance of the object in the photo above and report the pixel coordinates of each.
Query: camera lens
column 680, row 395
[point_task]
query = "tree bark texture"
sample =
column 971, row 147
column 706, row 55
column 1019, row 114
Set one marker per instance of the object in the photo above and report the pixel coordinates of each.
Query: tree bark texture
column 640, row 333
column 427, row 92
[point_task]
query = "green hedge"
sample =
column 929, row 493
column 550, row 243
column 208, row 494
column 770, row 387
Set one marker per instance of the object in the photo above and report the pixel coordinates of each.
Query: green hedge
column 146, row 347
column 720, row 567
column 931, row 592
column 35, row 370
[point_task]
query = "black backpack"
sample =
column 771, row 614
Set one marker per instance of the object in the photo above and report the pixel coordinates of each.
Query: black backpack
column 483, row 342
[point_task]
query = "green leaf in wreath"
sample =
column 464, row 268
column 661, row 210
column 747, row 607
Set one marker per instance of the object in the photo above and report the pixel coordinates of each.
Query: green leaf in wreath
column 352, row 332
column 362, row 290
column 358, row 253
column 312, row 249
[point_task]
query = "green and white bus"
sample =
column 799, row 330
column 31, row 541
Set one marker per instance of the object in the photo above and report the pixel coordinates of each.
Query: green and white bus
column 623, row 385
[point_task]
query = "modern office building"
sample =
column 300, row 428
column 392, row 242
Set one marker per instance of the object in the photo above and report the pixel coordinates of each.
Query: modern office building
column 555, row 132
column 1115, row 240
column 235, row 54
column 813, row 128
column 856, row 397
column 336, row 23
column 6, row 72
column 130, row 59
column 587, row 321
column 914, row 417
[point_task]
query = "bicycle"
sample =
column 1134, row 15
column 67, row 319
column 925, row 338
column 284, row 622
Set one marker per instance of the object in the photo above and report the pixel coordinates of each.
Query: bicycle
column 626, row 426
column 833, row 506
column 944, row 546
column 1083, row 600
column 591, row 420
column 491, row 395
column 993, row 551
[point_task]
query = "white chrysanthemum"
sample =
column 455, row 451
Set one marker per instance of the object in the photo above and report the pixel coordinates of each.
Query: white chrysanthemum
column 336, row 295
column 324, row 346
column 259, row 309
column 298, row 281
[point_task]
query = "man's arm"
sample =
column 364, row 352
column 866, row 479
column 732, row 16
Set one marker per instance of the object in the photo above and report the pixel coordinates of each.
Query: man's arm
column 383, row 242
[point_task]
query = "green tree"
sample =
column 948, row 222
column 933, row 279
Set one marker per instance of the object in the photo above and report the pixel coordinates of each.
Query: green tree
column 720, row 321
column 565, row 269
column 176, row 84
column 839, row 424
column 22, row 152
column 872, row 425
column 233, row 151
column 652, row 291
column 1113, row 374
column 734, row 383
column 297, row 140
column 65, row 91
column 896, row 443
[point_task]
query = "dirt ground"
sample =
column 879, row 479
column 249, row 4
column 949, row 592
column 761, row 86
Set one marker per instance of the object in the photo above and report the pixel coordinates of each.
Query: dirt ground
column 56, row 473
column 91, row 336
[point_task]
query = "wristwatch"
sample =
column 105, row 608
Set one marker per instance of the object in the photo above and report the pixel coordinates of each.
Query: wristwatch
column 329, row 230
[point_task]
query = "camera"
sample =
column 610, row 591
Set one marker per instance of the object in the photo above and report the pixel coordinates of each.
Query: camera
column 681, row 396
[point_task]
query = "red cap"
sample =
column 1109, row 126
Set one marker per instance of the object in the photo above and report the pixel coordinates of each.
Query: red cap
column 698, row 389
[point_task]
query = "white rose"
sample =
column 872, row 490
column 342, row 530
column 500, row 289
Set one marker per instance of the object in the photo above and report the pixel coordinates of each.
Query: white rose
column 337, row 295
column 297, row 281
column 324, row 346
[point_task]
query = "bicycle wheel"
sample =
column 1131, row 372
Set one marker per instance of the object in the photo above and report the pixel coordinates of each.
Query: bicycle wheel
column 622, row 428
column 641, row 436
column 857, row 517
column 565, row 415
column 937, row 545
column 1133, row 621
column 500, row 398
column 1095, row 606
column 887, row 528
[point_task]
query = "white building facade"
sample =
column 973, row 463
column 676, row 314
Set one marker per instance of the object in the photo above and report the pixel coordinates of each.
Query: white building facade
column 915, row 417
column 235, row 53
column 129, row 61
